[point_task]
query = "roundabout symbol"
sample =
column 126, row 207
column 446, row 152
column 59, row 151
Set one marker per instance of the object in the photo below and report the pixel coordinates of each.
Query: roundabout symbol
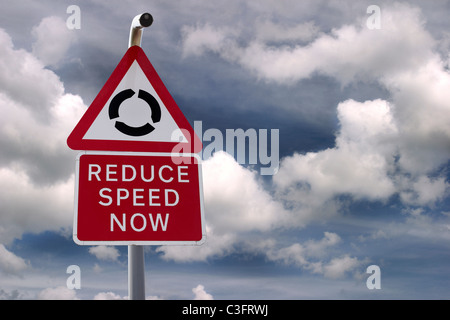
column 130, row 130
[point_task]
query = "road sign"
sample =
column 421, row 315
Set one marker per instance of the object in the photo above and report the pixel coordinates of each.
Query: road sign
column 125, row 198
column 134, row 112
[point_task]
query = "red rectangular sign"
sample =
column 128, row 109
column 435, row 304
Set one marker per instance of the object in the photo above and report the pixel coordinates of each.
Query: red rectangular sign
column 138, row 198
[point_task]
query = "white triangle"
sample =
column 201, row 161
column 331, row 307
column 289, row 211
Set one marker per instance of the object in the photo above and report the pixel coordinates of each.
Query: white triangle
column 135, row 112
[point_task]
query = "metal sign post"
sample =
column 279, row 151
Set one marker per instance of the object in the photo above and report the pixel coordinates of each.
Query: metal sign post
column 136, row 273
column 136, row 265
column 123, row 168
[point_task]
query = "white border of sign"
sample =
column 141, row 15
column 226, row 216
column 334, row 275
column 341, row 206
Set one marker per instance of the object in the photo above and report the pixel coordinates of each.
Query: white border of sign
column 154, row 243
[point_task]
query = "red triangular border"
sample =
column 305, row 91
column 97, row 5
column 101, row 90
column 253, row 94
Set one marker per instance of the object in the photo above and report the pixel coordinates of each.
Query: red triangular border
column 76, row 142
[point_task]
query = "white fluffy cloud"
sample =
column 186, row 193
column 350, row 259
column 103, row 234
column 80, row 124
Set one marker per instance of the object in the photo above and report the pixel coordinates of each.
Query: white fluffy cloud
column 27, row 207
column 58, row 293
column 348, row 53
column 35, row 163
column 313, row 256
column 52, row 40
column 235, row 199
column 199, row 39
column 10, row 263
column 358, row 165
column 373, row 159
column 235, row 204
column 107, row 296
column 25, row 82
column 338, row 267
column 383, row 147
column 107, row 253
column 201, row 294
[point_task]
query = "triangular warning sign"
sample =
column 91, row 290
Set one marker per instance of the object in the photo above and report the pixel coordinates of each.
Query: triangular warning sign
column 134, row 112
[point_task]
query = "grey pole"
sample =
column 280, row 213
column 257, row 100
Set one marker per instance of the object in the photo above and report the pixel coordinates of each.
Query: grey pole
column 136, row 265
column 136, row 273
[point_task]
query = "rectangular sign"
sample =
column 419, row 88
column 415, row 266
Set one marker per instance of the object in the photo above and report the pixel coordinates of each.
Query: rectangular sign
column 138, row 198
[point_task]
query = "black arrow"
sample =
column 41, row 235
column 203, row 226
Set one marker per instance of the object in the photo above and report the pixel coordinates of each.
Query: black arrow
column 134, row 131
column 154, row 105
column 117, row 101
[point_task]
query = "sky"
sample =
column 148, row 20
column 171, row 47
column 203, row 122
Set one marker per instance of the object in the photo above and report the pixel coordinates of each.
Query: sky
column 359, row 96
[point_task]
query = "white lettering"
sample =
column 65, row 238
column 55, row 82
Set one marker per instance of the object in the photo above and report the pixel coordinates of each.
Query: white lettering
column 138, row 197
column 144, row 222
column 122, row 225
column 152, row 176
column 109, row 172
column 119, row 197
column 159, row 220
column 158, row 223
column 90, row 172
column 124, row 178
column 177, row 197
column 180, row 173
column 129, row 173
column 151, row 197
column 160, row 174
column 135, row 196
column 102, row 191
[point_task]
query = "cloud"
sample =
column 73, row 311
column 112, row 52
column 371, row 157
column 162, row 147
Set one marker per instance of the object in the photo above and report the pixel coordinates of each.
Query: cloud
column 417, row 224
column 36, row 166
column 199, row 39
column 294, row 254
column 235, row 199
column 269, row 32
column 338, row 267
column 58, row 293
column 320, row 248
column 38, row 114
column 107, row 253
column 383, row 147
column 425, row 191
column 113, row 296
column 370, row 161
column 10, row 263
column 25, row 82
column 52, row 40
column 201, row 294
column 348, row 53
column 26, row 207
column 13, row 295
column 397, row 144
column 235, row 203
column 107, row 296
column 362, row 150
column 314, row 255
column 420, row 100
column 217, row 245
